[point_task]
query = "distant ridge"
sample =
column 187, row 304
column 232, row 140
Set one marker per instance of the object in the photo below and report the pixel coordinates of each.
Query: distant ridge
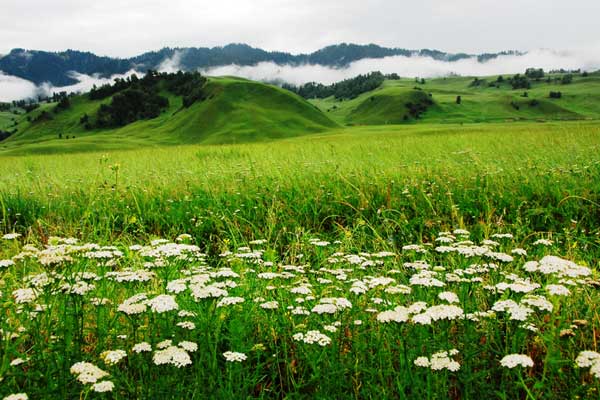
column 57, row 67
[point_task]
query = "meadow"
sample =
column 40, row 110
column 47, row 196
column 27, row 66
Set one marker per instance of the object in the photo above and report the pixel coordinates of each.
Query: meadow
column 411, row 261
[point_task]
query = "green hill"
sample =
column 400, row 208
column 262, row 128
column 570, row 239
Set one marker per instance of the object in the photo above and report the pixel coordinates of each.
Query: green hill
column 488, row 101
column 390, row 107
column 235, row 110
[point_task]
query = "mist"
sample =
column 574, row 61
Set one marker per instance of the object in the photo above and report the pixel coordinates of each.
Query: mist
column 423, row 67
column 14, row 88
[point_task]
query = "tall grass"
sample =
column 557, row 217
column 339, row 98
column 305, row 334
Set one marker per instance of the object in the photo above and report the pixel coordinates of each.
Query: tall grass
column 390, row 186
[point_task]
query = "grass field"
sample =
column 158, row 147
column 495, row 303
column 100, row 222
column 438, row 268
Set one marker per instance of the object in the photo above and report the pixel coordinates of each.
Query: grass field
column 315, row 267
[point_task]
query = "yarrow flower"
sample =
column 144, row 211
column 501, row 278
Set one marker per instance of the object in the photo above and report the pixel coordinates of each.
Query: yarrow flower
column 87, row 373
column 187, row 325
column 514, row 360
column 188, row 346
column 437, row 313
column 234, row 356
column 439, row 361
column 558, row 290
column 11, row 236
column 312, row 337
column 104, row 386
column 17, row 361
column 589, row 359
column 26, row 295
column 270, row 305
column 17, row 396
column 163, row 303
column 112, row 357
column 142, row 347
column 227, row 301
column 173, row 355
column 450, row 297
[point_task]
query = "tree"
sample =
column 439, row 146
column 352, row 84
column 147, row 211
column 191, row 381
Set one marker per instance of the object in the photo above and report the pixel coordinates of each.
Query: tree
column 520, row 82
column 566, row 79
column 534, row 73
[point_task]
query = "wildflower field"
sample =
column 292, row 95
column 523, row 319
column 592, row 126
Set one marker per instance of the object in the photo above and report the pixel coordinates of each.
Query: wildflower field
column 410, row 262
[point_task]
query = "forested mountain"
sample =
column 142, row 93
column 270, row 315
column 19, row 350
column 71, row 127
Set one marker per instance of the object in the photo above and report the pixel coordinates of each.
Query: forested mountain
column 55, row 68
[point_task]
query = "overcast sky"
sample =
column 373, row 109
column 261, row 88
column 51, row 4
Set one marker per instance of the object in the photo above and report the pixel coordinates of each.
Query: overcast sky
column 129, row 27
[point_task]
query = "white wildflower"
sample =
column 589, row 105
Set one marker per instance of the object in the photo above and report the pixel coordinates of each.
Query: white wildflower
column 142, row 347
column 87, row 373
column 163, row 303
column 450, row 297
column 188, row 346
column 104, row 386
column 234, row 356
column 173, row 355
column 112, row 357
column 17, row 396
column 558, row 290
column 312, row 337
column 228, row 301
column 513, row 360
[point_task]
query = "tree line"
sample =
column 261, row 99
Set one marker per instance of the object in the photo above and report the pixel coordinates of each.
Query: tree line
column 344, row 90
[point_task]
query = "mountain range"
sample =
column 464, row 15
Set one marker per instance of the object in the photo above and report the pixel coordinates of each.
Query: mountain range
column 57, row 68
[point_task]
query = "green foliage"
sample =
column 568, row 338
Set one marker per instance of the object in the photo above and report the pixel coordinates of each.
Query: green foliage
column 566, row 79
column 129, row 106
column 346, row 89
column 534, row 73
column 555, row 95
column 478, row 82
column 520, row 82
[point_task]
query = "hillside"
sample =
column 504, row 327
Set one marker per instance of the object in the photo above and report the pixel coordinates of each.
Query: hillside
column 235, row 110
column 482, row 101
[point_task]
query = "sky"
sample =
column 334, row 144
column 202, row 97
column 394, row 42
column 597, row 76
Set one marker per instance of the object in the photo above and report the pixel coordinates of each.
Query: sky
column 125, row 28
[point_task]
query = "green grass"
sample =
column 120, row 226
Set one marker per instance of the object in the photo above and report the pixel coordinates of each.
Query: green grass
column 6, row 120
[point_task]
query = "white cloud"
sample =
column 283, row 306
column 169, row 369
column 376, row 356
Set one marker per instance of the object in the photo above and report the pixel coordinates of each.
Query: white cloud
column 414, row 66
column 171, row 64
column 14, row 88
